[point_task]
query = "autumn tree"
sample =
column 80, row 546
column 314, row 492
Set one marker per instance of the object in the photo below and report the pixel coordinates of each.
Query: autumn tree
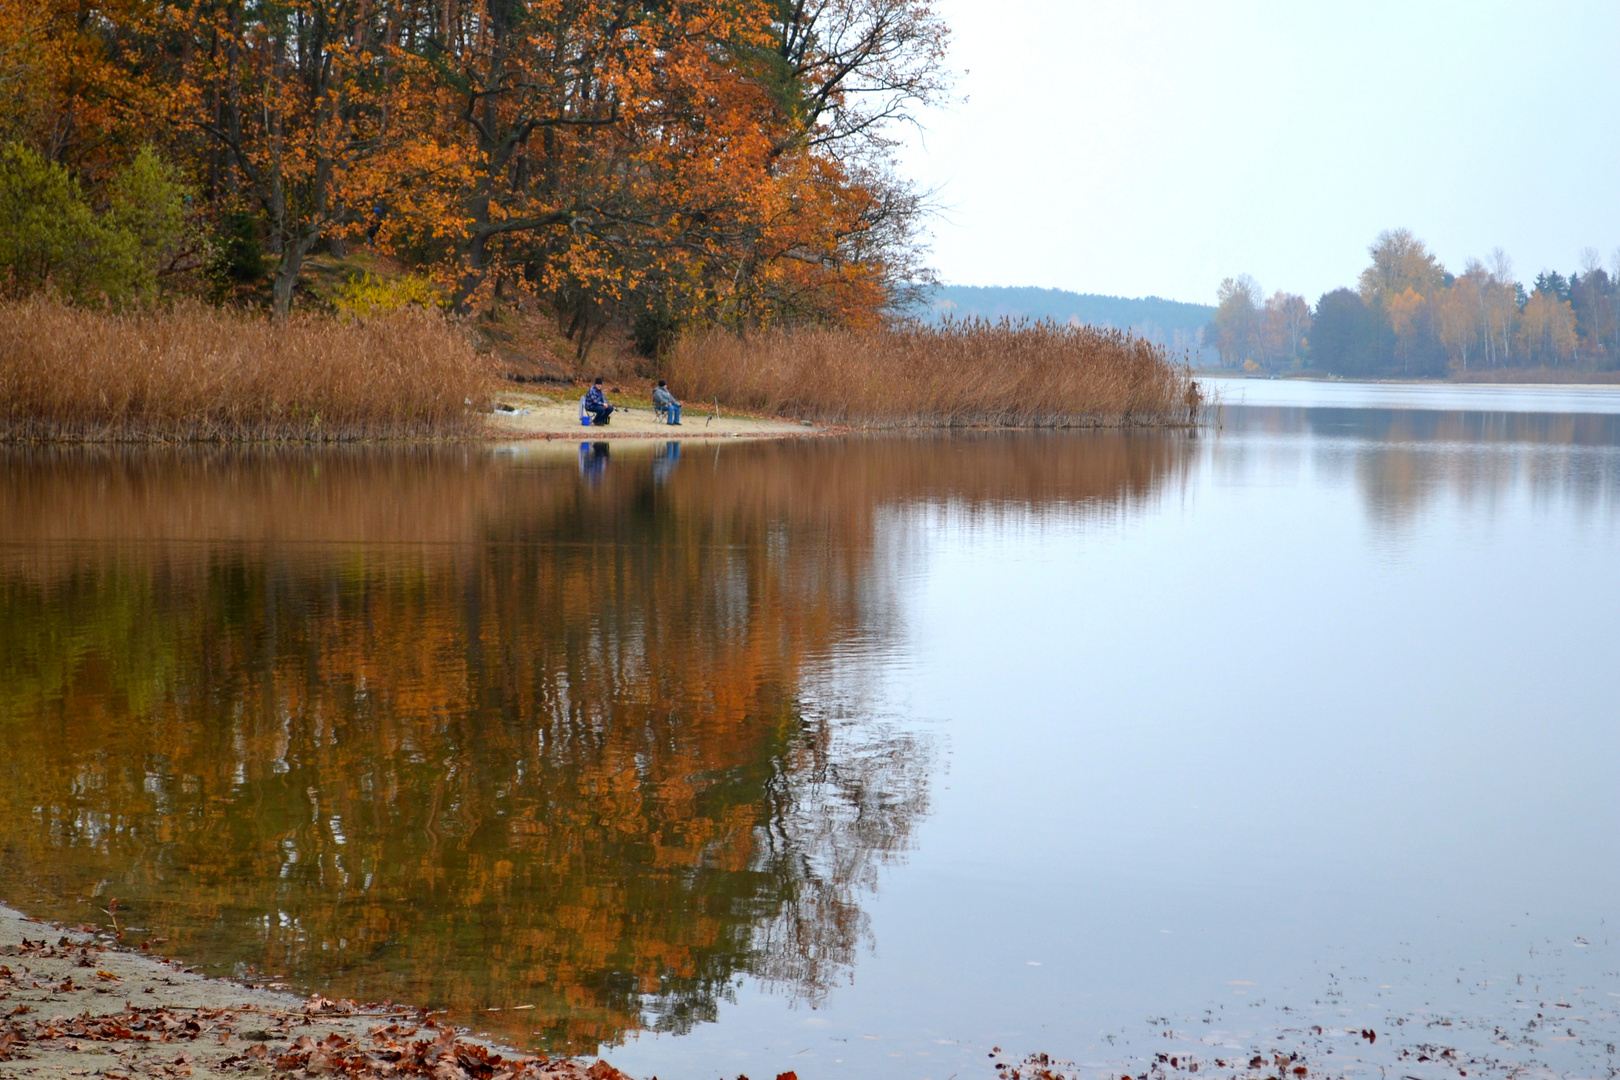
column 1405, row 312
column 1399, row 286
column 1236, row 330
column 1287, row 321
column 304, row 107
column 845, row 72
column 1400, row 262
column 1593, row 298
column 1458, row 313
column 656, row 162
column 76, row 81
column 637, row 160
column 1478, row 315
column 1547, row 328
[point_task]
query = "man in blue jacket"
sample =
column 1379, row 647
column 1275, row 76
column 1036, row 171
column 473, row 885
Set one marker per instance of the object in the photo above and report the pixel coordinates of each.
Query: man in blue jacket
column 596, row 403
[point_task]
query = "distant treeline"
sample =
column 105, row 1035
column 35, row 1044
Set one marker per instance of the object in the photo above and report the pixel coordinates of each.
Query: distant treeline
column 1168, row 322
column 1409, row 315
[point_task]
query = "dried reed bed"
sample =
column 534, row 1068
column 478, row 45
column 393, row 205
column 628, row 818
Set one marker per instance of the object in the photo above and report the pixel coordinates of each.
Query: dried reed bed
column 1006, row 374
column 198, row 374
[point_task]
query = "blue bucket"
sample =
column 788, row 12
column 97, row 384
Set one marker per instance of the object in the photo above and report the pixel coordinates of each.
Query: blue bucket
column 585, row 421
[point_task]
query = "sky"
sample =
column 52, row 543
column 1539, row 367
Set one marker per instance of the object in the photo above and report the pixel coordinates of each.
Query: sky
column 1154, row 147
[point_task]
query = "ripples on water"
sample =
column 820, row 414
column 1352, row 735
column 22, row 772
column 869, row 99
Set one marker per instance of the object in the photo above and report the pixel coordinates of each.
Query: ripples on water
column 854, row 757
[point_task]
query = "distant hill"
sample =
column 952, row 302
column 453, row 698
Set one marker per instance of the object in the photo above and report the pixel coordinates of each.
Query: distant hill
column 1170, row 322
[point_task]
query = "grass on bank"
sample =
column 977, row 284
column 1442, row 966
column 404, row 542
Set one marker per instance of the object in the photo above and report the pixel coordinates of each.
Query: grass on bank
column 966, row 374
column 197, row 373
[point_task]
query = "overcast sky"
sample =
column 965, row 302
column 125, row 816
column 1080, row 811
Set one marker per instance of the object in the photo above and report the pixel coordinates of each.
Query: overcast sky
column 1137, row 147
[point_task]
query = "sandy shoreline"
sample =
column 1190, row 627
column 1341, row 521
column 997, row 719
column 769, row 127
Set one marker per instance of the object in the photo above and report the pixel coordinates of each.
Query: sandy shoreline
column 538, row 415
column 73, row 1006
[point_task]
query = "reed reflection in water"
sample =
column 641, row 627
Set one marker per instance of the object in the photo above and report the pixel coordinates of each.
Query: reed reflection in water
column 480, row 729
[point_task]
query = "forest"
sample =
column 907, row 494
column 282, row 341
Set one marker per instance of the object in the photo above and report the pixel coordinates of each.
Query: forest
column 651, row 164
column 1410, row 316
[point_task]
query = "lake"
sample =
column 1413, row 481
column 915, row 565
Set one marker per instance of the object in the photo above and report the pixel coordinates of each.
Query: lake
column 892, row 756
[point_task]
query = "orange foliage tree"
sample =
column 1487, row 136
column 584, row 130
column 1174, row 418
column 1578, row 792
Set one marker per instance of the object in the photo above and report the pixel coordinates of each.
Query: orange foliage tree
column 661, row 163
column 74, row 80
column 303, row 109
column 652, row 162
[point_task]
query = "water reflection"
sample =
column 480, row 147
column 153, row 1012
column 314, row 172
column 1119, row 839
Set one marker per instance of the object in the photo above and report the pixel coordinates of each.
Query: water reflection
column 1402, row 460
column 475, row 728
column 665, row 458
column 593, row 461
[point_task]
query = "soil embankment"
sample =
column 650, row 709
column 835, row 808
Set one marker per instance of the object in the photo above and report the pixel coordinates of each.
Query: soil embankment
column 71, row 1006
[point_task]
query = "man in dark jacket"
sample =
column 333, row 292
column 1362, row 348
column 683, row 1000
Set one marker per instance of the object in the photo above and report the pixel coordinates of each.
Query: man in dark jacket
column 596, row 403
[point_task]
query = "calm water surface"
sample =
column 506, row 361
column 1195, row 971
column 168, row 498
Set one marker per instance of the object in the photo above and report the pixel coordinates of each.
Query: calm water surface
column 860, row 757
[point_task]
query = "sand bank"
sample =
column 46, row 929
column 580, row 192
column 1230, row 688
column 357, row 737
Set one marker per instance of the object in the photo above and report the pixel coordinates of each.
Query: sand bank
column 541, row 415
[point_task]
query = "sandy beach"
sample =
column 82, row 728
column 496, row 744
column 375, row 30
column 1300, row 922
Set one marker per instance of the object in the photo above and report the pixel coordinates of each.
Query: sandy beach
column 535, row 414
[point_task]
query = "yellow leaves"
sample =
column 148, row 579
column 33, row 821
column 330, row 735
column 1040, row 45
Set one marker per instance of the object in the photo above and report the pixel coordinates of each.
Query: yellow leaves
column 1400, row 263
column 359, row 297
column 1547, row 329
column 1459, row 309
column 1402, row 311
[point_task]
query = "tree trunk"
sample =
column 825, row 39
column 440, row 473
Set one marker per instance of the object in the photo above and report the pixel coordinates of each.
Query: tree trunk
column 472, row 262
column 292, row 264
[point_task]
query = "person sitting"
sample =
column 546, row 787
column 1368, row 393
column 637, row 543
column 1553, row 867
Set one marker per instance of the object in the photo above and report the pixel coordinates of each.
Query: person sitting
column 666, row 405
column 596, row 403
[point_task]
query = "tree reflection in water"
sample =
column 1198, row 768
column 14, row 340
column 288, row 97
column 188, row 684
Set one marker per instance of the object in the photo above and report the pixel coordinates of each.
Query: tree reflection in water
column 1404, row 460
column 461, row 728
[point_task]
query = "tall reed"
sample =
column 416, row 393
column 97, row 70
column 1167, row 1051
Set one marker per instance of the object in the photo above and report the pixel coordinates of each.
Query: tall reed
column 195, row 373
column 1007, row 374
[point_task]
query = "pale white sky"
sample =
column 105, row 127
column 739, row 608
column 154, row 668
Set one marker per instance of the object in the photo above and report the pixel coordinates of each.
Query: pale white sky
column 1138, row 147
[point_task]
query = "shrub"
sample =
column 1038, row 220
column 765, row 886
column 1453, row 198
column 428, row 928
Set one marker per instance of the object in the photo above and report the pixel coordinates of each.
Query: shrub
column 364, row 295
column 51, row 236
